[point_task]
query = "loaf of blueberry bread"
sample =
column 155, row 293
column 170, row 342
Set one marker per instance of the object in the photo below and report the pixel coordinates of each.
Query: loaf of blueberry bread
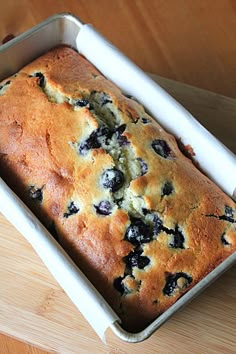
column 135, row 214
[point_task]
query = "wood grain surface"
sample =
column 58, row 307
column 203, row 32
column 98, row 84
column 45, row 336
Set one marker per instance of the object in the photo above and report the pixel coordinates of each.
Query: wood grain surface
column 188, row 41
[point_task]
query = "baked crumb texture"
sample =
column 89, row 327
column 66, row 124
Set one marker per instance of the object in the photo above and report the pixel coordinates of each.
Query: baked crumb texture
column 111, row 186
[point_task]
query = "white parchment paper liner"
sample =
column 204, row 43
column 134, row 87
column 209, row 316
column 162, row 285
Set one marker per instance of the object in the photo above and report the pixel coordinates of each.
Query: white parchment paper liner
column 82, row 293
column 215, row 159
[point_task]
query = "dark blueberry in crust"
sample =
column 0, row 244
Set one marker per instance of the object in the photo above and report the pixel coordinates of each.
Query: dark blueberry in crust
column 104, row 132
column 229, row 211
column 157, row 225
column 122, row 140
column 121, row 287
column 120, row 130
column 135, row 259
column 118, row 285
column 90, row 143
column 103, row 208
column 93, row 140
column 36, row 193
column 226, row 218
column 105, row 99
column 81, row 103
column 229, row 214
column 161, row 148
column 113, row 179
column 145, row 211
column 138, row 232
column 224, row 241
column 41, row 79
column 171, row 282
column 178, row 239
column 145, row 120
column 71, row 210
column 143, row 165
column 167, row 189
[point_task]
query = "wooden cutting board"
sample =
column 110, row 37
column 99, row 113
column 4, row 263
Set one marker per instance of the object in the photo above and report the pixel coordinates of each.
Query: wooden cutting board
column 35, row 309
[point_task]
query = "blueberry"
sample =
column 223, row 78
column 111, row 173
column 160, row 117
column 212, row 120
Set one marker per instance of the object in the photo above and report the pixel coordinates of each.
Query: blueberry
column 71, row 210
column 172, row 285
column 226, row 218
column 105, row 132
column 90, row 143
column 36, row 193
column 134, row 259
column 123, row 287
column 94, row 140
column 178, row 240
column 105, row 99
column 157, row 225
column 145, row 120
column 229, row 211
column 118, row 285
column 122, row 140
column 103, row 208
column 41, row 78
column 145, row 211
column 161, row 148
column 81, row 103
column 113, row 179
column 143, row 165
column 120, row 129
column 138, row 232
column 229, row 214
column 224, row 241
column 167, row 188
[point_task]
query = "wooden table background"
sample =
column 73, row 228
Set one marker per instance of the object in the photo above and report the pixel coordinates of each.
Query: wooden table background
column 184, row 40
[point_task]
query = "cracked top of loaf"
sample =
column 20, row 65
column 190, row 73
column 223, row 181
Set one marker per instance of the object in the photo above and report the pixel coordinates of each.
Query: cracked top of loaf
column 141, row 221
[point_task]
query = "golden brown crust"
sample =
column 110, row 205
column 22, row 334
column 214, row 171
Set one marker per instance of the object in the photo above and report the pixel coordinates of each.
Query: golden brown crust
column 190, row 221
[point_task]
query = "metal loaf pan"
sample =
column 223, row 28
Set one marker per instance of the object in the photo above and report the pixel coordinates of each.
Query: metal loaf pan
column 64, row 29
